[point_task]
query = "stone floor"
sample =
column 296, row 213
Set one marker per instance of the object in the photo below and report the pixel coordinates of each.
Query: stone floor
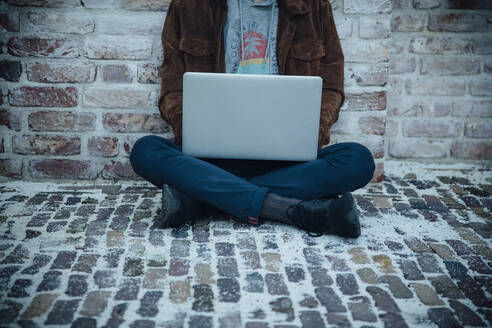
column 94, row 256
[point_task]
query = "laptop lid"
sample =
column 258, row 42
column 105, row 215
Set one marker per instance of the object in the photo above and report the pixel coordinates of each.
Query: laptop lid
column 250, row 116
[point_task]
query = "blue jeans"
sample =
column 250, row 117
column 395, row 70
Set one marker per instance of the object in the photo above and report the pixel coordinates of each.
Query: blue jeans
column 239, row 186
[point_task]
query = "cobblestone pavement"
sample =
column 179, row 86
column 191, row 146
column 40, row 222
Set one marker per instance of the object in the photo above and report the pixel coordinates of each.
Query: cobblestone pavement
column 94, row 256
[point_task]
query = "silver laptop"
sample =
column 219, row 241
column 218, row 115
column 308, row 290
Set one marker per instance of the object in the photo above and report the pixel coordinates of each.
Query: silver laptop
column 251, row 116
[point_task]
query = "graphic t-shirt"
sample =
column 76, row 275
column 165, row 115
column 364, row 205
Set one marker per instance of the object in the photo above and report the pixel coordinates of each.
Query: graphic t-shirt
column 258, row 22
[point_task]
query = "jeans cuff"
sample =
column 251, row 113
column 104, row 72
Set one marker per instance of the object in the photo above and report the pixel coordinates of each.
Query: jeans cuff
column 256, row 203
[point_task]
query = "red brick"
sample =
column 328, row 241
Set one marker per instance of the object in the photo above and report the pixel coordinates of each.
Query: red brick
column 103, row 146
column 116, row 73
column 128, row 144
column 10, row 21
column 62, row 169
column 481, row 87
column 43, row 96
column 440, row 46
column 117, row 98
column 61, row 121
column 411, row 22
column 472, row 108
column 468, row 149
column 149, row 73
column 432, row 128
column 453, row 22
column 11, row 168
column 10, row 70
column 402, row 64
column 366, row 101
column 51, row 72
column 449, row 65
column 479, row 130
column 116, row 170
column 129, row 122
column 372, row 124
column 11, row 120
column 421, row 148
column 436, row 87
column 38, row 47
column 45, row 145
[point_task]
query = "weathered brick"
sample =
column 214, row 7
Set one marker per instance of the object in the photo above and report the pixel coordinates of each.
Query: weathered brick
column 10, row 119
column 481, row 87
column 43, row 3
column 52, row 72
column 45, row 145
column 449, row 65
column 118, row 47
column 10, row 21
column 102, row 146
column 151, row 5
column 407, row 22
column 432, row 128
column 457, row 22
column 478, row 130
column 43, row 96
column 362, row 52
column 79, row 22
column 129, row 24
column 10, row 70
column 482, row 45
column 116, row 73
column 374, row 28
column 116, row 98
column 368, row 74
column 150, row 123
column 426, row 4
column 38, row 47
column 373, row 124
column 468, row 149
column 11, row 168
column 440, row 46
column 62, row 169
column 402, row 64
column 366, row 101
column 472, row 108
column 367, row 6
column 435, row 87
column 61, row 121
column 119, row 170
column 149, row 73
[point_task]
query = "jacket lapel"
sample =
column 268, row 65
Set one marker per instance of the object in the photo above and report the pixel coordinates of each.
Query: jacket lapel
column 285, row 31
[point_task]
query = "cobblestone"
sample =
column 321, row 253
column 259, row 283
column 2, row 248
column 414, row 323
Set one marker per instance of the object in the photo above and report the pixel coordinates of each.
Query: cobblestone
column 97, row 258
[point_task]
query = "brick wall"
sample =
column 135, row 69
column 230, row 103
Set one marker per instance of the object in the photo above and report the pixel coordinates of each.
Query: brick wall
column 80, row 83
column 440, row 98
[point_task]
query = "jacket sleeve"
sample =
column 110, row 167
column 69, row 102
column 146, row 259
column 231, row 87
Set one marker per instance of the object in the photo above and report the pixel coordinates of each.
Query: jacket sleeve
column 171, row 94
column 332, row 73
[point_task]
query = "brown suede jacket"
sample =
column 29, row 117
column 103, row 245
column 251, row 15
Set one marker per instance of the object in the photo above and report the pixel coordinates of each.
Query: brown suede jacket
column 307, row 44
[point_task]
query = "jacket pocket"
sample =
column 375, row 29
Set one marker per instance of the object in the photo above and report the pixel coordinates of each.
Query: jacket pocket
column 198, row 53
column 305, row 57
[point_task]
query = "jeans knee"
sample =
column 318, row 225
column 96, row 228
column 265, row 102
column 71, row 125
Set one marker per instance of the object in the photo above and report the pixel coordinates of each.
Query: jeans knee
column 364, row 162
column 140, row 149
